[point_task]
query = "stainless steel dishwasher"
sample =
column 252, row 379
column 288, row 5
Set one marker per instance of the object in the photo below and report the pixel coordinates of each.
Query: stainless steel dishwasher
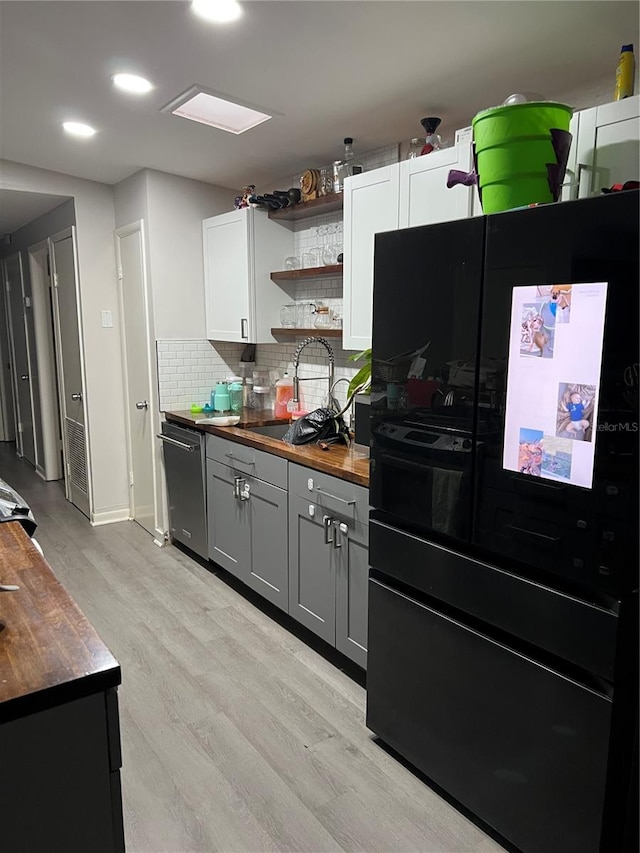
column 184, row 465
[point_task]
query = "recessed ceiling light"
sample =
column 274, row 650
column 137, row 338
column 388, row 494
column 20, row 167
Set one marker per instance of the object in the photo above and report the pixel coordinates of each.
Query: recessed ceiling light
column 76, row 128
column 132, row 83
column 219, row 11
column 216, row 110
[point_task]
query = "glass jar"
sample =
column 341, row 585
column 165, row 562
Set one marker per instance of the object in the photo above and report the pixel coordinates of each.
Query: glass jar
column 262, row 397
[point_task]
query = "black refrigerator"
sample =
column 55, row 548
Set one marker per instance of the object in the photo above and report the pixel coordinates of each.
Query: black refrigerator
column 503, row 591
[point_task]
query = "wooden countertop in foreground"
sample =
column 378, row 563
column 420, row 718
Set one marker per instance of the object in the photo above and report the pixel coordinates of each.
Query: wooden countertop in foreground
column 348, row 463
column 49, row 651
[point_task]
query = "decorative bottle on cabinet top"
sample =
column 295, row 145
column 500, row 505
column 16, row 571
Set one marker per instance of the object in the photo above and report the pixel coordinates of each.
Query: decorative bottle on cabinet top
column 624, row 73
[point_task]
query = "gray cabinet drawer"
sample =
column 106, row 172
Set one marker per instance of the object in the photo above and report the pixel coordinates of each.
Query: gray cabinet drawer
column 336, row 496
column 248, row 460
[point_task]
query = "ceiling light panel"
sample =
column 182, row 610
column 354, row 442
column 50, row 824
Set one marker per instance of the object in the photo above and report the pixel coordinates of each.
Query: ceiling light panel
column 77, row 128
column 132, row 83
column 199, row 105
column 217, row 11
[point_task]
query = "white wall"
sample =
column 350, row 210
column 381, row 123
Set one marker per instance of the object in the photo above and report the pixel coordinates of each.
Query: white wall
column 172, row 209
column 103, row 363
column 177, row 207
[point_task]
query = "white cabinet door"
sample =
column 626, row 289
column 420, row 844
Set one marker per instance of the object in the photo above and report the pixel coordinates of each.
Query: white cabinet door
column 370, row 206
column 608, row 150
column 424, row 197
column 570, row 183
column 227, row 275
column 241, row 250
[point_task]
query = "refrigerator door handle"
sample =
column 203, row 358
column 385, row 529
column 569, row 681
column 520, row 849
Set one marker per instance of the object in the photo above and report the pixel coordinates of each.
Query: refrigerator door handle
column 531, row 534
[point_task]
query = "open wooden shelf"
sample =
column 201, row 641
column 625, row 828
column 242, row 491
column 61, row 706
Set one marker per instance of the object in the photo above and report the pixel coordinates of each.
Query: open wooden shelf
column 317, row 207
column 294, row 332
column 331, row 271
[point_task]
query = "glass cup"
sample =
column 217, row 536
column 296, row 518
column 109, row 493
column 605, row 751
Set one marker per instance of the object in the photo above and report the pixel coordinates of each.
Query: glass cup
column 329, row 252
column 304, row 315
column 288, row 315
column 312, row 258
column 292, row 263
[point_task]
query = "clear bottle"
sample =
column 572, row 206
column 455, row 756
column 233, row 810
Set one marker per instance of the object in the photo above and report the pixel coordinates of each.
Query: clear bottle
column 415, row 148
column 352, row 166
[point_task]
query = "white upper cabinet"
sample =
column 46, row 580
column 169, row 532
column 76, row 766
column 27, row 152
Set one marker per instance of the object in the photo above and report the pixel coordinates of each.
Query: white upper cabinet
column 370, row 206
column 241, row 249
column 607, row 147
column 403, row 195
column 424, row 197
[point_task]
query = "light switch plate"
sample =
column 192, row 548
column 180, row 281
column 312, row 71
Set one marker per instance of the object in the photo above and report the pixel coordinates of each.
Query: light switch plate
column 107, row 319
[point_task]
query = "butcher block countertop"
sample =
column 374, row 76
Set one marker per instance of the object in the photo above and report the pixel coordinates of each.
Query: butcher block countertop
column 348, row 463
column 49, row 651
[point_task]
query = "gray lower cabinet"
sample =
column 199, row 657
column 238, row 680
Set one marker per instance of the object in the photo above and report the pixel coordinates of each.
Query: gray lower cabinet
column 247, row 520
column 296, row 536
column 328, row 559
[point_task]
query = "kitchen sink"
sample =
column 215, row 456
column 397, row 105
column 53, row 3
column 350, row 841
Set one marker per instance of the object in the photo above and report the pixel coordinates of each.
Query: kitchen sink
column 272, row 431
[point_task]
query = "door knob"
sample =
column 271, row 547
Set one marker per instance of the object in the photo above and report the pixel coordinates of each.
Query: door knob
column 76, row 396
column 25, row 377
column 143, row 404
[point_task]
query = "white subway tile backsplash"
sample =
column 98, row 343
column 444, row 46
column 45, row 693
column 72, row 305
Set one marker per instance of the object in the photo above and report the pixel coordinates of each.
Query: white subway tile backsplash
column 188, row 370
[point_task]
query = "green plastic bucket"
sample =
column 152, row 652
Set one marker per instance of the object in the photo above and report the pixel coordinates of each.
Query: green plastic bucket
column 513, row 146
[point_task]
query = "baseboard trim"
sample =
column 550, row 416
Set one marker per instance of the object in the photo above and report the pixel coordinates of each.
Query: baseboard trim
column 110, row 516
column 41, row 472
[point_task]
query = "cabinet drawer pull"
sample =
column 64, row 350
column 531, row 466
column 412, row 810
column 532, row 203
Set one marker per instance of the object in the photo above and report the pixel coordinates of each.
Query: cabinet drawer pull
column 335, row 497
column 244, row 334
column 343, row 530
column 242, row 461
column 328, row 523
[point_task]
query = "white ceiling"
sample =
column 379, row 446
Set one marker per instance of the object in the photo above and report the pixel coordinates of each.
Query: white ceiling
column 366, row 69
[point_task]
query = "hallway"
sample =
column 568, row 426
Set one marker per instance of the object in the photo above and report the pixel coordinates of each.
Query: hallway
column 237, row 736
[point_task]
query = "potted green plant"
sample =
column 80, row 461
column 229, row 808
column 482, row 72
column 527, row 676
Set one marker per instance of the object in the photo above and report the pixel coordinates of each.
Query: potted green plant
column 360, row 389
column 361, row 382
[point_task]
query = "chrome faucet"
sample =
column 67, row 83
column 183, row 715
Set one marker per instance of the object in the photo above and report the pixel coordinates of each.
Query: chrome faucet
column 296, row 362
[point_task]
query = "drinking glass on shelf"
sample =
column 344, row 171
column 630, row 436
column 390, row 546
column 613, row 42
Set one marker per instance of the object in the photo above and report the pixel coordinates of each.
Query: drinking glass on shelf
column 288, row 315
column 304, row 314
column 338, row 240
column 329, row 253
column 292, row 263
column 326, row 181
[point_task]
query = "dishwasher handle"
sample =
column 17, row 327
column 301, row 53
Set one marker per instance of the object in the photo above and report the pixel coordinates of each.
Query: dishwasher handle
column 175, row 443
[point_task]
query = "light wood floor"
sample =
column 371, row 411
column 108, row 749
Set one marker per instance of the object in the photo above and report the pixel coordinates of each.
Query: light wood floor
column 238, row 736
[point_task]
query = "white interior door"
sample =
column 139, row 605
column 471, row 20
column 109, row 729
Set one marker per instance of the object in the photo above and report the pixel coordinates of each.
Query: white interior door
column 136, row 334
column 7, row 422
column 20, row 359
column 50, row 458
column 72, row 407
